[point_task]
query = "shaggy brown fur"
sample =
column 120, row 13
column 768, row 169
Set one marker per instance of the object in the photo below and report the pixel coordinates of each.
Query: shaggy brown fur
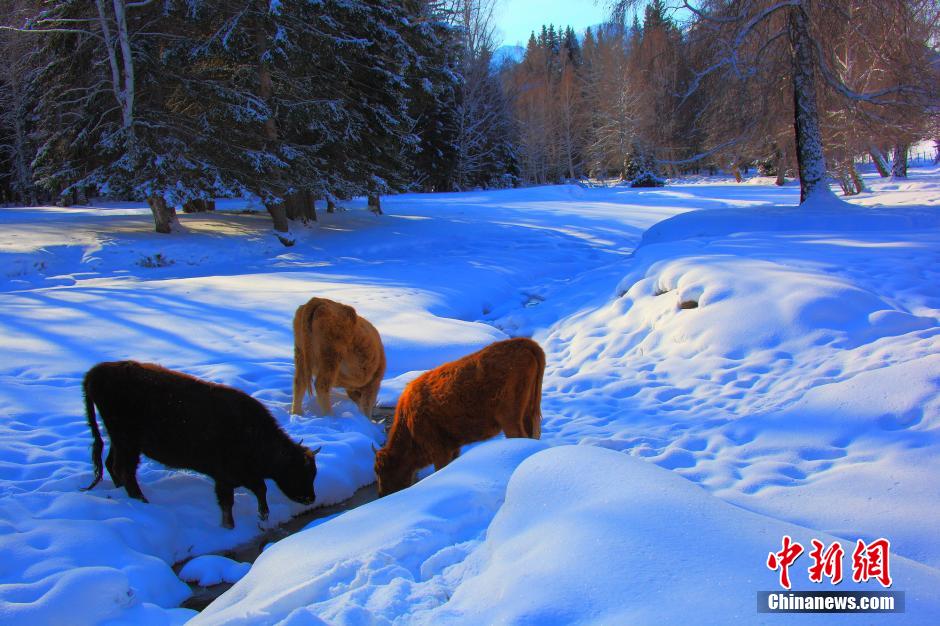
column 185, row 422
column 471, row 399
column 341, row 349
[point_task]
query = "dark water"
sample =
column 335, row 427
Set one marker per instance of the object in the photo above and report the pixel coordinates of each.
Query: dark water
column 247, row 553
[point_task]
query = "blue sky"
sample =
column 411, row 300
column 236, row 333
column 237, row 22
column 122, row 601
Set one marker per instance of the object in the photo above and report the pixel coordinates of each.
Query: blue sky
column 515, row 19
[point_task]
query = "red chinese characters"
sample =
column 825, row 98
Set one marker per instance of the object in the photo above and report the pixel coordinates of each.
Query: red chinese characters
column 784, row 559
column 871, row 561
column 826, row 563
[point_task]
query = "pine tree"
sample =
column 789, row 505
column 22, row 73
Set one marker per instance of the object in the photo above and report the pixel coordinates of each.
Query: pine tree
column 433, row 86
column 18, row 97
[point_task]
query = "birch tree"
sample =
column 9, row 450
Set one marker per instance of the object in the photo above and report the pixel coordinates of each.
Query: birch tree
column 742, row 37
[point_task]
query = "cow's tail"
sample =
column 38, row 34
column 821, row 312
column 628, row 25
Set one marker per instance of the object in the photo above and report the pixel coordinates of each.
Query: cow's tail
column 98, row 445
column 534, row 408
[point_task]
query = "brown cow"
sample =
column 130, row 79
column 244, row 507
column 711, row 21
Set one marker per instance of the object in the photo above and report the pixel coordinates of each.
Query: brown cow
column 467, row 400
column 341, row 349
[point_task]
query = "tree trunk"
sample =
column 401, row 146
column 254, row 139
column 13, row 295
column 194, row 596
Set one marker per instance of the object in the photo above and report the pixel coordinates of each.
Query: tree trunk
column 878, row 158
column 809, row 152
column 781, row 169
column 164, row 215
column 375, row 205
column 129, row 79
column 198, row 206
column 846, row 182
column 21, row 160
column 300, row 205
column 278, row 211
column 860, row 185
column 278, row 214
column 899, row 165
column 310, row 207
column 330, row 206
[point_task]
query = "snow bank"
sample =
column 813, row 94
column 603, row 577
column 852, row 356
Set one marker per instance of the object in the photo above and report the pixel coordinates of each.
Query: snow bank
column 785, row 359
column 582, row 534
column 88, row 284
column 212, row 569
column 376, row 561
column 587, row 535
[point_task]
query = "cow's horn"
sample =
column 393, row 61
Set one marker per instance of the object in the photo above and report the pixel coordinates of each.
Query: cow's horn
column 301, row 441
column 315, row 452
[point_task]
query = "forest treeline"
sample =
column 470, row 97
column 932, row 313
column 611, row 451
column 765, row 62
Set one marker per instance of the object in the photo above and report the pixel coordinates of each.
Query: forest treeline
column 654, row 97
column 179, row 101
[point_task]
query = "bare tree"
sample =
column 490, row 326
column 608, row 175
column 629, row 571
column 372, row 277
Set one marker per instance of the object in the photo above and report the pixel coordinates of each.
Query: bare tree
column 742, row 37
column 482, row 111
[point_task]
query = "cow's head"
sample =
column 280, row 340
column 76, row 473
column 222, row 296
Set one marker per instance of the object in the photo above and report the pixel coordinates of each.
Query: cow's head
column 392, row 474
column 297, row 480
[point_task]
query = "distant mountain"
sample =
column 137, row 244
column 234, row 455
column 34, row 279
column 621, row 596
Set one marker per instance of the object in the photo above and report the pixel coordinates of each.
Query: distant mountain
column 507, row 53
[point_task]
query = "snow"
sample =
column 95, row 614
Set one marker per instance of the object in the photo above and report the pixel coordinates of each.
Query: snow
column 545, row 557
column 800, row 395
column 212, row 569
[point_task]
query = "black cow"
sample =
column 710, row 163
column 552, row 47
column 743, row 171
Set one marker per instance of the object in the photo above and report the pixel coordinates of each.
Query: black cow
column 183, row 422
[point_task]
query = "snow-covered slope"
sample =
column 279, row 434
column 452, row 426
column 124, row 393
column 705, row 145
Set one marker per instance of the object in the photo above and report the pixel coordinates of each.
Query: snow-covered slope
column 804, row 383
column 580, row 535
column 802, row 386
column 82, row 285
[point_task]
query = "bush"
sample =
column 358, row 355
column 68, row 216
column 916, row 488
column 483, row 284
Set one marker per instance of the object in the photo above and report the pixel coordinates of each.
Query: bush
column 647, row 179
column 641, row 171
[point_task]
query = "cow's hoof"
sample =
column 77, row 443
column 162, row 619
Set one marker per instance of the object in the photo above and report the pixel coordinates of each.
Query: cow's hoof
column 263, row 516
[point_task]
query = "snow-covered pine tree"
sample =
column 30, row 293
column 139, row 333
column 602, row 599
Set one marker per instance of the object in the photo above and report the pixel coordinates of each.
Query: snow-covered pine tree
column 115, row 108
column 377, row 88
column 433, row 84
column 17, row 101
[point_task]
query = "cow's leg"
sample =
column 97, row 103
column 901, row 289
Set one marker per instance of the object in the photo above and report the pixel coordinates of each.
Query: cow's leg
column 326, row 376
column 300, row 383
column 445, row 459
column 512, row 417
column 116, row 476
column 126, row 461
column 369, row 396
column 225, row 494
column 260, row 490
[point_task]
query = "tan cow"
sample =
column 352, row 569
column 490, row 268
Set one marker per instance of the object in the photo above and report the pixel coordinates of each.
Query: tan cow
column 498, row 388
column 340, row 349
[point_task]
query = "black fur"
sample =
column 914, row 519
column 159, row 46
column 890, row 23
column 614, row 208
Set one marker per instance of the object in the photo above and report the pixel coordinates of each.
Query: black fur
column 183, row 422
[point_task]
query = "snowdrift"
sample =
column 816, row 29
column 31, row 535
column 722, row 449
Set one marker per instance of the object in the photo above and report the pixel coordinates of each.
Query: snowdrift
column 785, row 359
column 580, row 535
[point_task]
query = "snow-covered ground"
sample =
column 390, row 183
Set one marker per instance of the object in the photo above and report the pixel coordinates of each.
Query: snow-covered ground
column 799, row 396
